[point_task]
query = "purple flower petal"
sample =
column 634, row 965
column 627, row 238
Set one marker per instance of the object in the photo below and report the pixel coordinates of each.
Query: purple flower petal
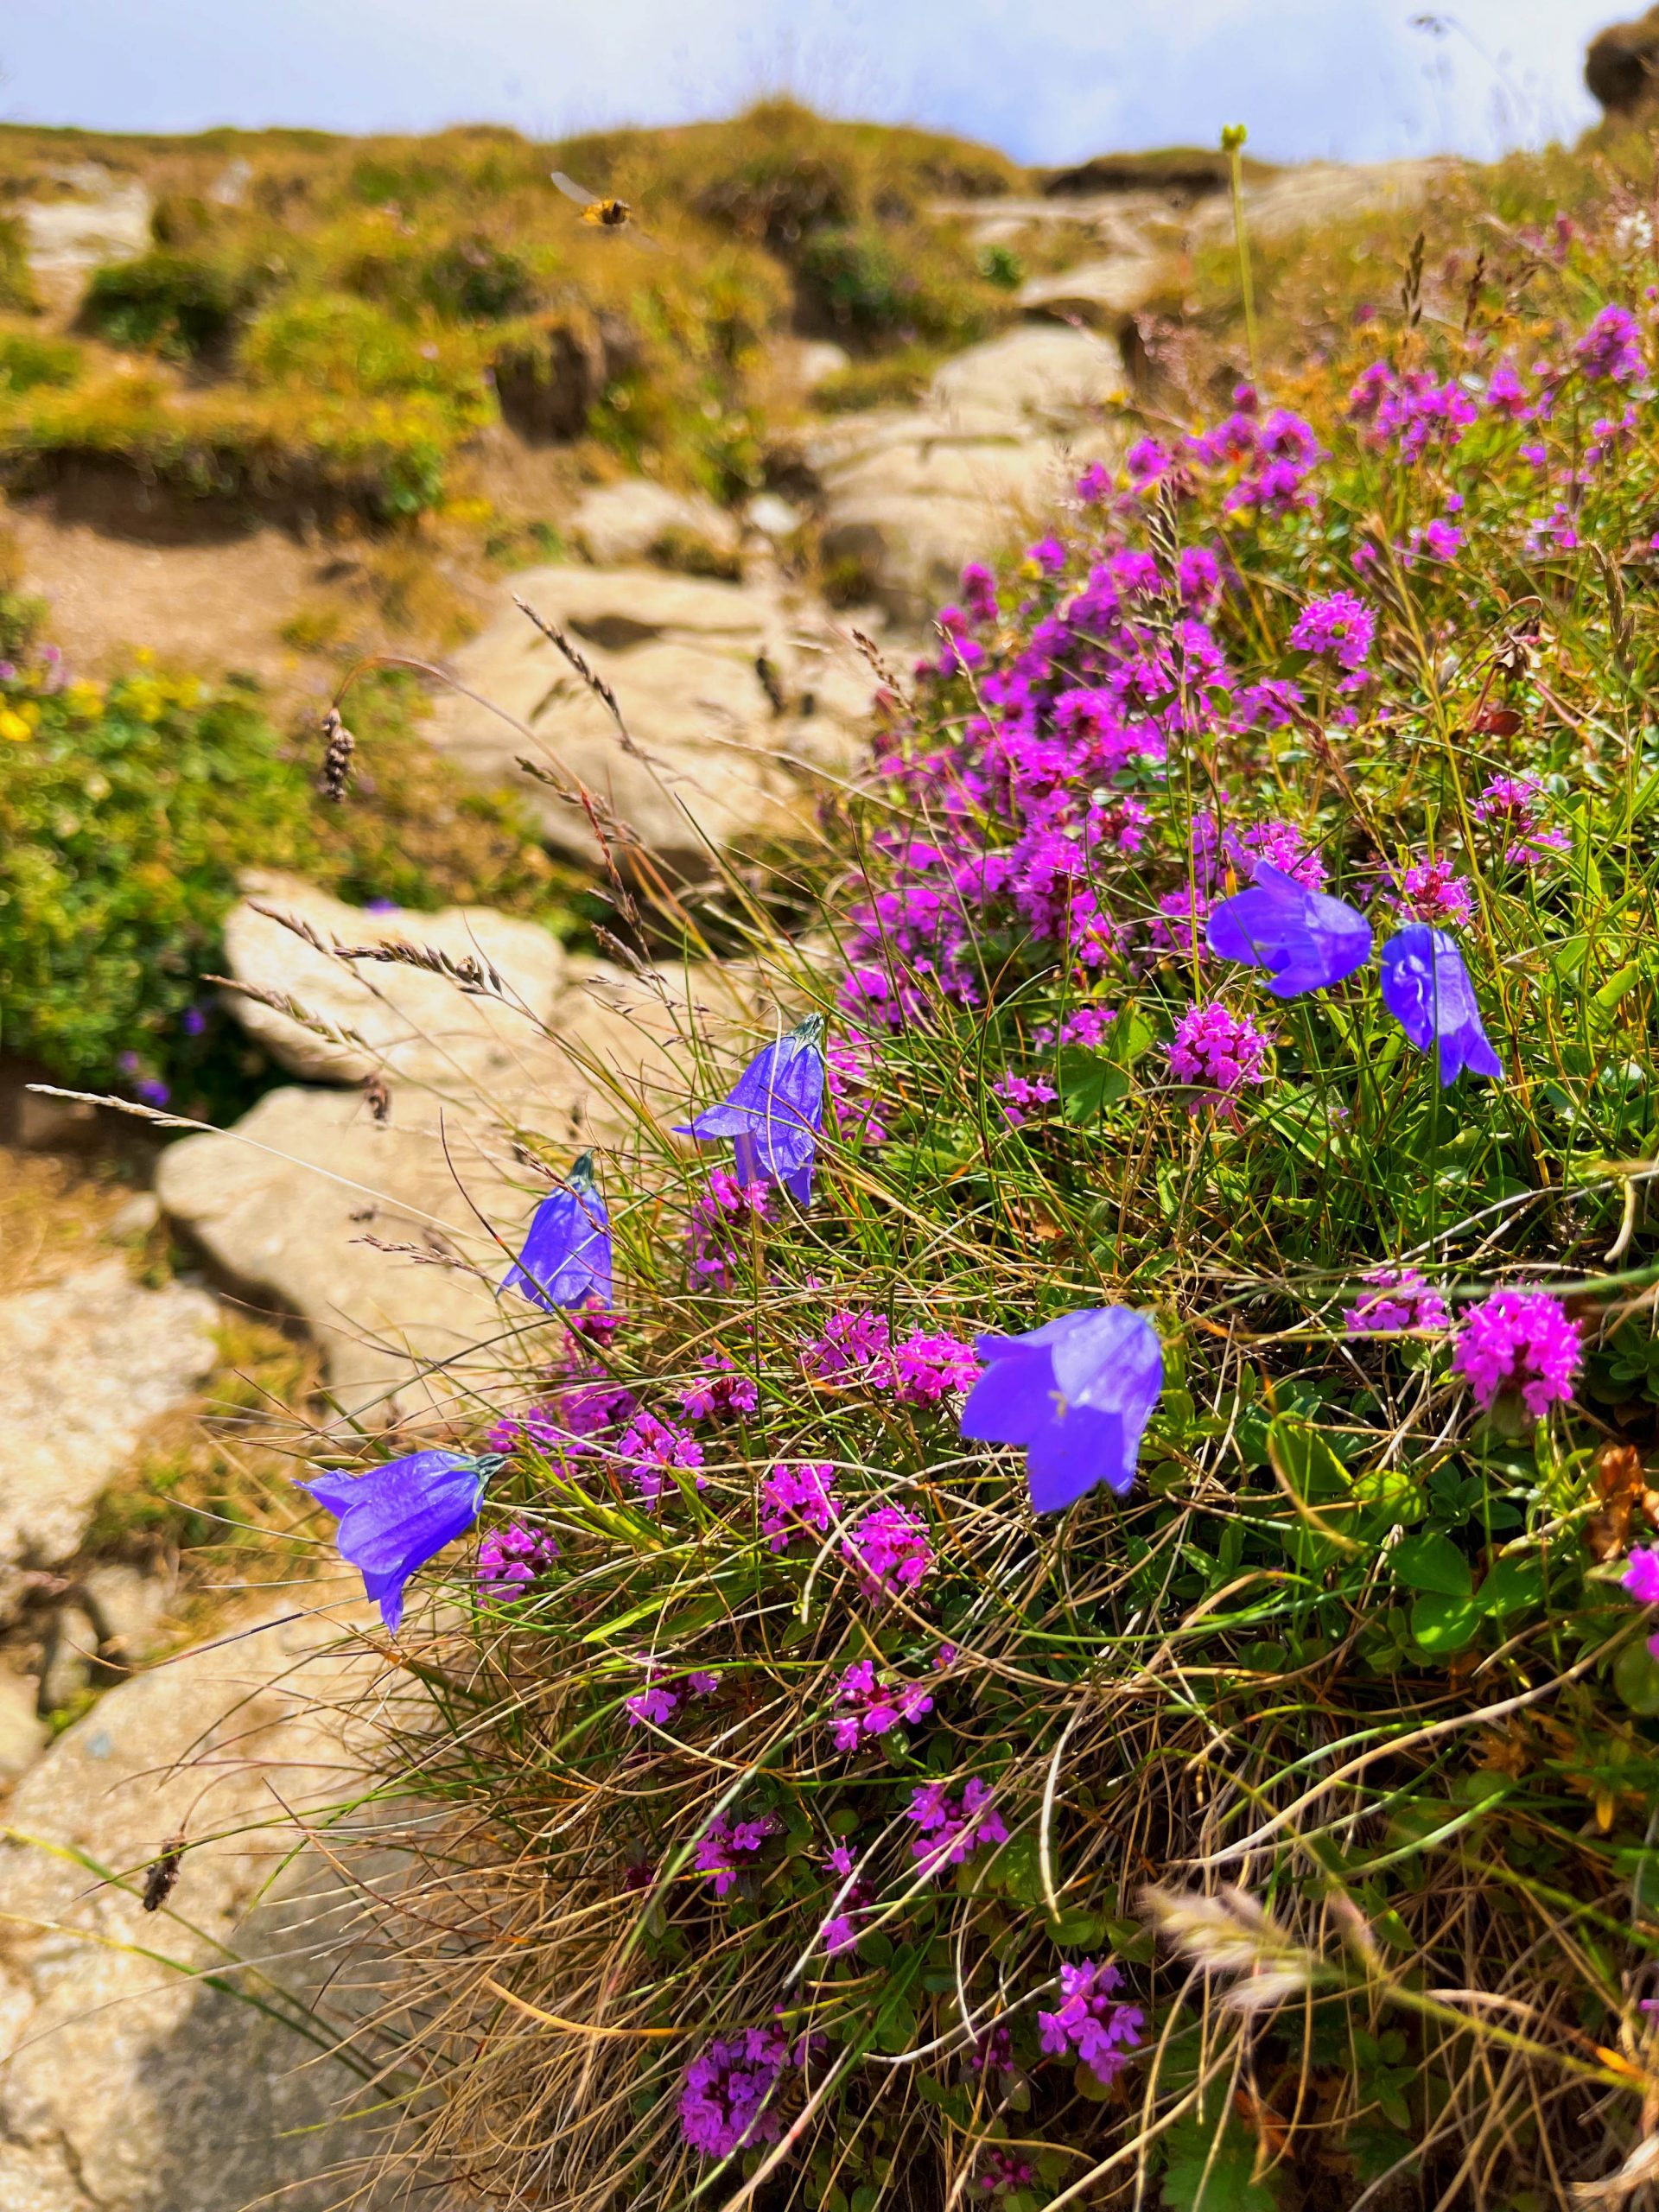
column 397, row 1517
column 1307, row 940
column 566, row 1259
column 1425, row 988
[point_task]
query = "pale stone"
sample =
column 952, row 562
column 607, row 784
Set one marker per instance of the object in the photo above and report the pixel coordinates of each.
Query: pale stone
column 637, row 520
column 83, row 1365
column 707, row 762
column 71, row 1655
column 285, row 1202
column 127, row 1608
column 772, row 516
column 136, row 1217
column 1052, row 378
column 23, row 1732
column 103, row 220
column 412, row 1022
column 126, row 2086
column 1103, row 294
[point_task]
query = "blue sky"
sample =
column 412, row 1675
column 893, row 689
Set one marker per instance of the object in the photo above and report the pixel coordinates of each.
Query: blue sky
column 1048, row 79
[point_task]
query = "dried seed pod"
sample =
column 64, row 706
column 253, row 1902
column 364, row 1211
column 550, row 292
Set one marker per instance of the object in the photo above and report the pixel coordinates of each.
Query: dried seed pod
column 163, row 1873
column 334, row 779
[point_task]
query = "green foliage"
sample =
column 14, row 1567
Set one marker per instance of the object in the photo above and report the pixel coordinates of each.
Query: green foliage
column 27, row 359
column 873, row 283
column 16, row 279
column 181, row 305
column 126, row 817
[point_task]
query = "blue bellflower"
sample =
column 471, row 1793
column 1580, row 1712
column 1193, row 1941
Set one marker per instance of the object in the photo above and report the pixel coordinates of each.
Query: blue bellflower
column 1077, row 1393
column 397, row 1517
column 566, row 1260
column 1306, row 940
column 1425, row 988
column 773, row 1112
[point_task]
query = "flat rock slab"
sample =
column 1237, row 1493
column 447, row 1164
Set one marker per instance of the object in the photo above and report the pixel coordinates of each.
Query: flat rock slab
column 83, row 1365
column 286, row 1202
column 1032, row 378
column 636, row 520
column 412, row 1022
column 719, row 760
column 127, row 2086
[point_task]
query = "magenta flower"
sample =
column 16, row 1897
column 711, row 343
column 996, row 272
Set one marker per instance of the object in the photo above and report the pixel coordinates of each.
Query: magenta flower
column 1306, row 940
column 1077, row 1393
column 951, row 1831
column 566, row 1259
column 797, row 1501
column 1434, row 891
column 928, row 1366
column 1017, row 1093
column 854, row 1343
column 866, row 1706
column 394, row 1518
column 1004, row 2171
column 1641, row 1576
column 1401, row 1300
column 727, row 2103
column 773, row 1112
column 652, row 1449
column 1425, row 988
column 718, row 1390
column 1610, row 349
column 510, row 1559
column 727, row 1850
column 1339, row 627
column 1519, row 1340
column 1513, row 805
column 889, row 1549
column 1218, row 1051
column 1090, row 2022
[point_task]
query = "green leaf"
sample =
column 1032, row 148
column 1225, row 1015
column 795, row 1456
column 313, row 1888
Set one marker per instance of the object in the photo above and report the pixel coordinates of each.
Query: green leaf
column 1211, row 2168
column 1513, row 1583
column 1636, row 1677
column 1310, row 1468
column 1446, row 1624
column 1432, row 1563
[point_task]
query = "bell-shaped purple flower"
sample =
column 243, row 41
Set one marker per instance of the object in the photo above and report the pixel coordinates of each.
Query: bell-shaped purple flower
column 566, row 1260
column 1077, row 1393
column 773, row 1112
column 397, row 1517
column 1425, row 988
column 1306, row 940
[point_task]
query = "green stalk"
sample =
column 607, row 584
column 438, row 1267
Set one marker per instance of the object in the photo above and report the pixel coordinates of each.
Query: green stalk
column 1232, row 145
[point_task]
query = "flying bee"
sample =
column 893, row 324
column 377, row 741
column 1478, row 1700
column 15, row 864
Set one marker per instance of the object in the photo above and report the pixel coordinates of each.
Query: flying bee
column 603, row 214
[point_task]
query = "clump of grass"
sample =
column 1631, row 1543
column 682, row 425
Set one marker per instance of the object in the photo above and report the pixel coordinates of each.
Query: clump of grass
column 890, row 380
column 1335, row 1734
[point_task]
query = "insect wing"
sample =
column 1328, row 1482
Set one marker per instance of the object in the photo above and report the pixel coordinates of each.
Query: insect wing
column 572, row 190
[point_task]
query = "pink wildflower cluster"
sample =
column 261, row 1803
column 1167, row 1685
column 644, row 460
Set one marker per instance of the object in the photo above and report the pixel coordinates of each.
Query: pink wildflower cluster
column 1340, row 627
column 928, row 1365
column 660, row 1698
column 1513, row 806
column 1019, row 1095
column 652, row 1448
column 1090, row 2022
column 510, row 1559
column 1217, row 1049
column 1410, row 409
column 856, row 1346
column 719, row 1220
column 1641, row 1579
column 569, row 1423
column 1004, row 2171
column 1610, row 349
column 1401, row 1300
column 727, row 2102
column 840, row 1932
column 849, row 1067
column 951, row 1829
column 1519, row 1340
column 797, row 1501
column 727, row 1850
column 1271, row 457
column 866, row 1706
column 718, row 1390
column 1434, row 891
column 889, row 1549
column 852, row 1345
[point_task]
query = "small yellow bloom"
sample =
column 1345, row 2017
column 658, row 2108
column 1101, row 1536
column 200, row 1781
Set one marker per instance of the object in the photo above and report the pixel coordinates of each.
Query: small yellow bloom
column 13, row 726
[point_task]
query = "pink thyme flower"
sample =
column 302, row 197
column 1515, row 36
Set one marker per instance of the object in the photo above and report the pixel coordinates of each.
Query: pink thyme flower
column 1402, row 1300
column 510, row 1559
column 1091, row 2022
column 1611, row 347
column 889, row 1549
column 1217, row 1051
column 719, row 1220
column 651, row 1448
column 1433, row 892
column 727, row 1850
column 952, row 1831
column 797, row 1501
column 1339, row 627
column 1513, row 805
column 1017, row 1092
column 1641, row 1575
column 866, row 1706
column 1519, row 1340
column 1004, row 2171
column 927, row 1367
column 852, row 1345
column 719, row 1390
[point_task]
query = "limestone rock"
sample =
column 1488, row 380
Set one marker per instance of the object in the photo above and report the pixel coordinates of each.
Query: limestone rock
column 83, row 1365
column 23, row 1732
column 97, row 217
column 287, row 1201
column 1321, row 193
column 71, row 1655
column 1031, row 375
column 1103, row 294
column 412, row 1023
column 715, row 763
column 637, row 520
column 126, row 2087
column 126, row 1607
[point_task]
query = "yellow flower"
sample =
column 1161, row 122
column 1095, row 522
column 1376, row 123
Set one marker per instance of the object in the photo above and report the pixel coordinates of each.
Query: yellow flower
column 84, row 699
column 13, row 726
